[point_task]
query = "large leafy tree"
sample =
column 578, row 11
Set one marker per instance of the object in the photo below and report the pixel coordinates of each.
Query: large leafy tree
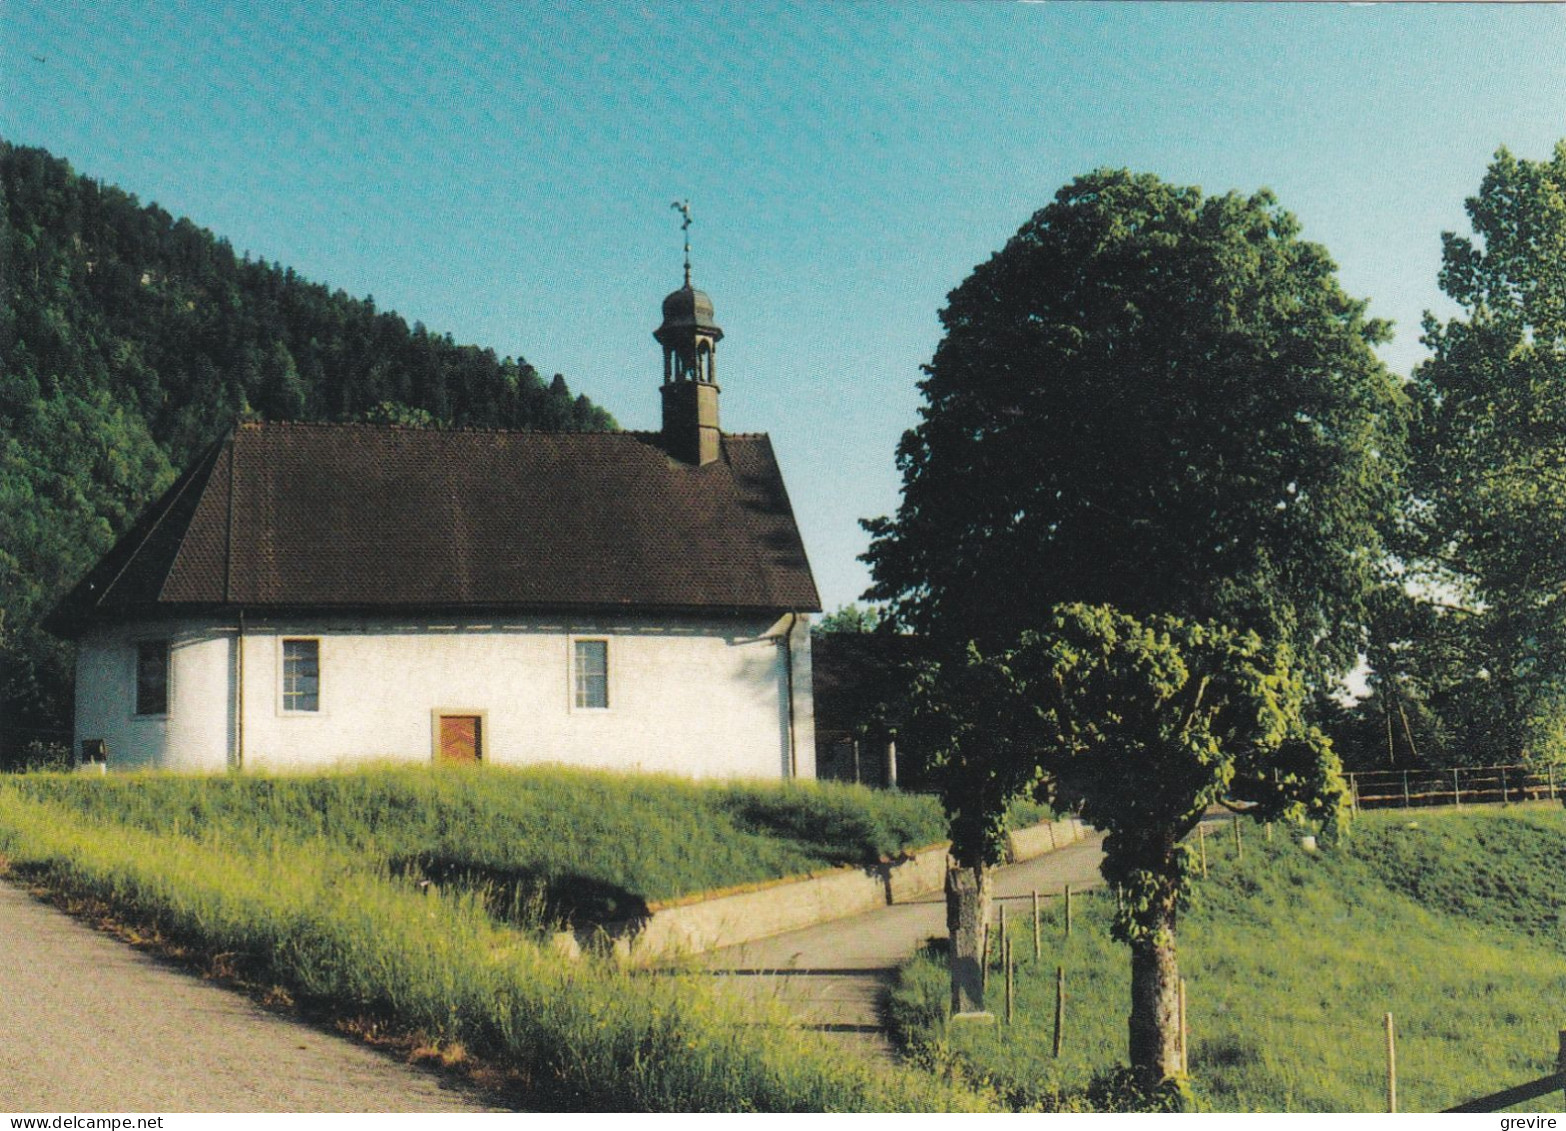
column 1156, row 400
column 1142, row 725
column 1151, row 400
column 1488, row 519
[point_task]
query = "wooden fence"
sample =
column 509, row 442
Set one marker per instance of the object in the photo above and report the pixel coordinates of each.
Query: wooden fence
column 1459, row 786
column 1511, row 1097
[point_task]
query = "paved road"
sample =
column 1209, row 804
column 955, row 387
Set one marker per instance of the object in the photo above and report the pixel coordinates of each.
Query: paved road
column 89, row 1024
column 833, row 975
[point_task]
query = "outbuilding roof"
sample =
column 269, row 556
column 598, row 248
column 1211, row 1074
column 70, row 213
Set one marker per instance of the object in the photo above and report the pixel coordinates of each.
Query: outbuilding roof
column 367, row 517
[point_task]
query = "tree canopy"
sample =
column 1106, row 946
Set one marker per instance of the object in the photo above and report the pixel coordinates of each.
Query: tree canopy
column 1155, row 400
column 850, row 619
column 1487, row 517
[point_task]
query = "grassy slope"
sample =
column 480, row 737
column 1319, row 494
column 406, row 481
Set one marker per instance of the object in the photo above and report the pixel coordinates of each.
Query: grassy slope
column 1450, row 921
column 288, row 882
column 599, row 845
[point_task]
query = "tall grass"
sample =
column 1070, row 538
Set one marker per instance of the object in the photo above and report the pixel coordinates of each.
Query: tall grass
column 598, row 845
column 1452, row 922
column 303, row 909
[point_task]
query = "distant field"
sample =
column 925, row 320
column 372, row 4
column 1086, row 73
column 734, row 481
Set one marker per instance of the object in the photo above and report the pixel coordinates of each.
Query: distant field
column 313, row 889
column 1453, row 922
column 592, row 846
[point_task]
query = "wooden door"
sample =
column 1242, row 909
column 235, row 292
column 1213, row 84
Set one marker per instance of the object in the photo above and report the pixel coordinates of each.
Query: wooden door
column 461, row 738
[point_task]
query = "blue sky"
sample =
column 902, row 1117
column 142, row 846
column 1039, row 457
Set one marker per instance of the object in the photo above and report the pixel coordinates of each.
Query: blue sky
column 504, row 172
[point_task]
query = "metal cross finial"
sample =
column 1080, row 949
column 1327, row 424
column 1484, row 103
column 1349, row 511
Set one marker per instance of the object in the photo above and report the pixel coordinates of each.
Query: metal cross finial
column 684, row 208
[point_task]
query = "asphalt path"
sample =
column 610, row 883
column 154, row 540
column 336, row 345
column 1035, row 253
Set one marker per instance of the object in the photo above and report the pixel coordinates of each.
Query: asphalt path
column 834, row 975
column 92, row 1025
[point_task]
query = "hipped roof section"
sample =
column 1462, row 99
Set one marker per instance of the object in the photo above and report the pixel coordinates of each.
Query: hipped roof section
column 365, row 518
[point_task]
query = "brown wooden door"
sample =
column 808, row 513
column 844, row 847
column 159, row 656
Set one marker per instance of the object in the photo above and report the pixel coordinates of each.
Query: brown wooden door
column 461, row 738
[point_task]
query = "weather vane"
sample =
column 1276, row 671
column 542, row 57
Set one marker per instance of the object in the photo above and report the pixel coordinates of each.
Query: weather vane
column 683, row 207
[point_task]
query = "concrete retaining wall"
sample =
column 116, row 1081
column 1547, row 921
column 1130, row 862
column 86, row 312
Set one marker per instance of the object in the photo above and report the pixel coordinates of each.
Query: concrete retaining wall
column 1025, row 844
column 728, row 919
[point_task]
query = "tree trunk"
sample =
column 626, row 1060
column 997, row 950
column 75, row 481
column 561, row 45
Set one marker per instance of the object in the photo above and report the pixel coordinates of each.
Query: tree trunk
column 1155, row 1005
column 967, row 911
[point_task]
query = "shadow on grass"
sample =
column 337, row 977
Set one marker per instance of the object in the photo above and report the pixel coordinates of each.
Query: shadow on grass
column 527, row 897
column 834, row 835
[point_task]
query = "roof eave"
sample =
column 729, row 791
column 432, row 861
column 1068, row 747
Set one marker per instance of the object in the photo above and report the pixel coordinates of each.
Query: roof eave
column 74, row 627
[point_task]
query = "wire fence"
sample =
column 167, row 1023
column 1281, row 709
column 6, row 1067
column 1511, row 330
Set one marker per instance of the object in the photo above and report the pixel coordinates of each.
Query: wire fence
column 1000, row 956
column 1459, row 786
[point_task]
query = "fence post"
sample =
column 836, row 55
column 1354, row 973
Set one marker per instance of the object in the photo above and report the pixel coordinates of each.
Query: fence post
column 1036, row 951
column 1060, row 1006
column 1552, row 781
column 1000, row 943
column 1201, row 839
column 1504, row 798
column 1185, row 1056
column 1010, row 978
column 1405, row 789
column 1457, row 793
column 1354, row 792
column 1560, row 1062
column 1239, row 845
column 1391, row 1066
column 1004, row 949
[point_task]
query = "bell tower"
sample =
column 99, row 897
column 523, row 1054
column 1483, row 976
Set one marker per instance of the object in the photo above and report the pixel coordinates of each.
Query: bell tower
column 689, row 338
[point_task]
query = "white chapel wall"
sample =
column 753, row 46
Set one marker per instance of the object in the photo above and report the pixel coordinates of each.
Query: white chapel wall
column 697, row 697
column 194, row 733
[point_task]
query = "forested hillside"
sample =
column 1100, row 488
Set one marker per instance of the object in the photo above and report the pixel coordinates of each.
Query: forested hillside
column 129, row 340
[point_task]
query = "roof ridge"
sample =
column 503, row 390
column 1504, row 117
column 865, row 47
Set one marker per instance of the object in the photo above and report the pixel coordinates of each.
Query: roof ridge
column 379, row 426
column 460, row 429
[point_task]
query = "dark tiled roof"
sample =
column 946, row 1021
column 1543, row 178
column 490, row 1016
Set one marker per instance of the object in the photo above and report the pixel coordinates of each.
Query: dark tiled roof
column 363, row 517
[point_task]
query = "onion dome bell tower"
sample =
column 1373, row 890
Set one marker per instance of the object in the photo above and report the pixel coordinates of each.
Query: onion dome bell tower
column 689, row 338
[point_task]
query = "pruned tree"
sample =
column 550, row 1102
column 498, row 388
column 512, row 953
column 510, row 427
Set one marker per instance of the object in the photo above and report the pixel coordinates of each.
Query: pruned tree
column 1142, row 725
column 981, row 754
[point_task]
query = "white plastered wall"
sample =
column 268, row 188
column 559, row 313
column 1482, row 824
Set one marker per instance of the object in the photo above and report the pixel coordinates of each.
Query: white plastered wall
column 197, row 731
column 697, row 697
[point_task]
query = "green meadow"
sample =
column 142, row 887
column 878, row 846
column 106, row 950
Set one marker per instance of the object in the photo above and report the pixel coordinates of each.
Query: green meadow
column 588, row 846
column 420, row 902
column 316, row 889
column 1454, row 922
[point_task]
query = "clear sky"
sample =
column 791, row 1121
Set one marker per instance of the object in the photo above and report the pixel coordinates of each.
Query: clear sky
column 503, row 172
